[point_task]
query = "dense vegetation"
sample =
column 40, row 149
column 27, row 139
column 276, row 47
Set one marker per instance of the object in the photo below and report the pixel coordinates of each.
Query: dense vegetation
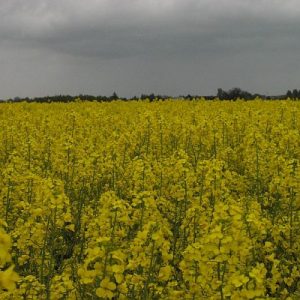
column 162, row 200
column 232, row 94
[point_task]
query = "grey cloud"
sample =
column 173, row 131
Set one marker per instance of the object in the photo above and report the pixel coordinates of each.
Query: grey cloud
column 111, row 38
column 121, row 28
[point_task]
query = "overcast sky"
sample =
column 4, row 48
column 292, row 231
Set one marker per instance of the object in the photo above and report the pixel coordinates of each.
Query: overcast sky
column 173, row 47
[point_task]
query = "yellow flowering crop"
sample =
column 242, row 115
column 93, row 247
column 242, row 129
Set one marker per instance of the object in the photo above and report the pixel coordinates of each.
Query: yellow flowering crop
column 8, row 276
column 163, row 200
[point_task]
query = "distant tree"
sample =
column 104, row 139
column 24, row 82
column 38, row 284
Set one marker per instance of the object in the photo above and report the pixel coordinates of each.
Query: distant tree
column 114, row 96
column 295, row 94
column 144, row 96
column 222, row 95
column 234, row 94
column 151, row 97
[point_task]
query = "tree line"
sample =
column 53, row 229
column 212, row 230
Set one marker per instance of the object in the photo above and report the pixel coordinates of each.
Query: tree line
column 231, row 94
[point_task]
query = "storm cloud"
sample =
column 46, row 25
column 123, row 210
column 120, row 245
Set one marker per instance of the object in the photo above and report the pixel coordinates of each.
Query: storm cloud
column 140, row 46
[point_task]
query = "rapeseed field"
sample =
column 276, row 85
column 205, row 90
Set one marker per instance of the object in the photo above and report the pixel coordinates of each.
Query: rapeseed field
column 138, row 200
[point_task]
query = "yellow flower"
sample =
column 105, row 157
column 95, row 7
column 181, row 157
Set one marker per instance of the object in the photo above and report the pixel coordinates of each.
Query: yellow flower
column 87, row 276
column 239, row 280
column 106, row 289
column 8, row 278
column 165, row 273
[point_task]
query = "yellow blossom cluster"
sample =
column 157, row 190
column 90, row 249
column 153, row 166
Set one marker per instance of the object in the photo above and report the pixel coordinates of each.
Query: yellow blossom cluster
column 138, row 200
column 8, row 276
